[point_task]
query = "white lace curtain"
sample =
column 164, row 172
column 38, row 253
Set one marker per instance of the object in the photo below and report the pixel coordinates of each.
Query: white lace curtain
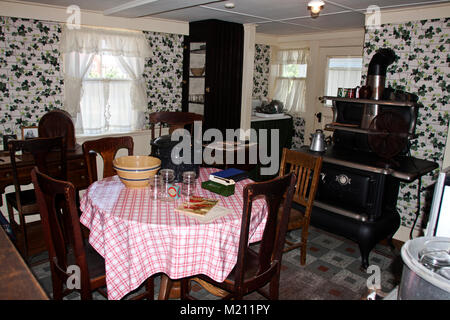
column 79, row 47
column 288, row 89
column 292, row 56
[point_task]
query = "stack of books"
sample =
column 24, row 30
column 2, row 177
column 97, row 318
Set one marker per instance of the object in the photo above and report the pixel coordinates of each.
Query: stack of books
column 222, row 182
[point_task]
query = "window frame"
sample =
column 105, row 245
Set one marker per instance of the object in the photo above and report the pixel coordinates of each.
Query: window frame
column 327, row 69
column 278, row 75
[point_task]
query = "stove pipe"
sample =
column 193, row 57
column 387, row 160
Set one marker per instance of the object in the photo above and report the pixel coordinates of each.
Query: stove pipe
column 376, row 75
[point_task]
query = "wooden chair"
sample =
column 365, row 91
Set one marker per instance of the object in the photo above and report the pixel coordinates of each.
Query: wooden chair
column 174, row 120
column 107, row 148
column 307, row 169
column 65, row 244
column 57, row 123
column 254, row 269
column 42, row 151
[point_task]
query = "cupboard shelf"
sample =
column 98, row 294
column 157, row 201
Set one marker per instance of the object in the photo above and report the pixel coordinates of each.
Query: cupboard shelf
column 217, row 46
column 198, row 51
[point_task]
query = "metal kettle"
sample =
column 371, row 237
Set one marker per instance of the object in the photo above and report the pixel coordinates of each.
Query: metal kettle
column 317, row 141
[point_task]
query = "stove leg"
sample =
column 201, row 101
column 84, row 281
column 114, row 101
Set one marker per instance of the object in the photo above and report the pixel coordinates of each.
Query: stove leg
column 390, row 243
column 365, row 247
column 364, row 259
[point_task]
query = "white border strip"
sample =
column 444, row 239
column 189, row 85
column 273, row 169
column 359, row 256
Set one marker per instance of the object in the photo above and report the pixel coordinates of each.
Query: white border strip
column 401, row 15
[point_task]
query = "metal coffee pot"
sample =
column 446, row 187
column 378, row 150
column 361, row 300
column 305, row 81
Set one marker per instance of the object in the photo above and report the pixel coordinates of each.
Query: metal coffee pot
column 318, row 141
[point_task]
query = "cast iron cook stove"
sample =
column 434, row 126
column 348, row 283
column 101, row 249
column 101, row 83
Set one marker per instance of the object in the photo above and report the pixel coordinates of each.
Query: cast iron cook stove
column 363, row 168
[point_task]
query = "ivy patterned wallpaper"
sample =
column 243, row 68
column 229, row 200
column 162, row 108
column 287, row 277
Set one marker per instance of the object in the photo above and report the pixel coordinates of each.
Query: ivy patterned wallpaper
column 298, row 140
column 31, row 77
column 31, row 80
column 421, row 67
column 261, row 71
column 164, row 72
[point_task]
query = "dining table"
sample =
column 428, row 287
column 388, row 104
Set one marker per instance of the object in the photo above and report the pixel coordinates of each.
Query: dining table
column 140, row 236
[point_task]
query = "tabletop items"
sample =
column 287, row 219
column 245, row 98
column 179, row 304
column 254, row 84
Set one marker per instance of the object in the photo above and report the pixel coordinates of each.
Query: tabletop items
column 222, row 182
column 136, row 171
column 139, row 237
column 197, row 205
column 189, row 183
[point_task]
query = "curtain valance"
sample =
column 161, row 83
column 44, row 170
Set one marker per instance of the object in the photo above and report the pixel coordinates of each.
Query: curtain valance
column 104, row 41
column 292, row 56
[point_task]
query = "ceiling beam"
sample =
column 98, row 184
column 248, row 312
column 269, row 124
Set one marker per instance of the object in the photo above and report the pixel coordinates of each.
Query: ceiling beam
column 126, row 6
column 345, row 7
column 263, row 19
column 142, row 8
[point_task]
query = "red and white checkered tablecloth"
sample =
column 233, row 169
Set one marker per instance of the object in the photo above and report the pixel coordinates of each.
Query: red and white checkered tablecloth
column 139, row 236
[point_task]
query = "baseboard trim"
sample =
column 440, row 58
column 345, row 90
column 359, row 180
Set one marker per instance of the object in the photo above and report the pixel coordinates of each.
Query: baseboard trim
column 403, row 232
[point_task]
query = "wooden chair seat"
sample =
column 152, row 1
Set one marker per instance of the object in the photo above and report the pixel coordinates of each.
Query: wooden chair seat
column 95, row 262
column 296, row 218
column 27, row 201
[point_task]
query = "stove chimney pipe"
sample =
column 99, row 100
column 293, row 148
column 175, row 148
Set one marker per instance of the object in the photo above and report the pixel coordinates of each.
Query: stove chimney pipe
column 376, row 75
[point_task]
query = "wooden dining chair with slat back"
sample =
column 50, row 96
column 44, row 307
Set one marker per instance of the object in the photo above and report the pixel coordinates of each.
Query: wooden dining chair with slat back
column 50, row 156
column 65, row 244
column 107, row 148
column 255, row 268
column 173, row 120
column 307, row 168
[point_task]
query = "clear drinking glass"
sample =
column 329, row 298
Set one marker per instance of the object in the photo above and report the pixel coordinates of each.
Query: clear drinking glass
column 168, row 178
column 156, row 187
column 189, row 183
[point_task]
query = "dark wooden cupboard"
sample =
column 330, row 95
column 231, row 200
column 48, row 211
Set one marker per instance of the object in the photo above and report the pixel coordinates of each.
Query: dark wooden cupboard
column 215, row 93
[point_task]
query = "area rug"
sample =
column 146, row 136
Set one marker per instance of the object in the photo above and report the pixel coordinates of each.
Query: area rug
column 332, row 271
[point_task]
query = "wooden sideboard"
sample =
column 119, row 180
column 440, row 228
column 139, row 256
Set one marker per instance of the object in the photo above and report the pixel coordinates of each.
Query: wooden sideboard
column 76, row 166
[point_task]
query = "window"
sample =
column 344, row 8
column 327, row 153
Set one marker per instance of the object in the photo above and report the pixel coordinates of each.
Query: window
column 342, row 72
column 290, row 70
column 104, row 86
column 294, row 71
column 106, row 102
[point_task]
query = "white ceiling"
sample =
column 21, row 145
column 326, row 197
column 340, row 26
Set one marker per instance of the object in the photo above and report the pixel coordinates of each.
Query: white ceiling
column 277, row 17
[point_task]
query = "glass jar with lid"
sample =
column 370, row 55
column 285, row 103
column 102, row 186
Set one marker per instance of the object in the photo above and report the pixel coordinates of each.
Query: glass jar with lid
column 189, row 184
